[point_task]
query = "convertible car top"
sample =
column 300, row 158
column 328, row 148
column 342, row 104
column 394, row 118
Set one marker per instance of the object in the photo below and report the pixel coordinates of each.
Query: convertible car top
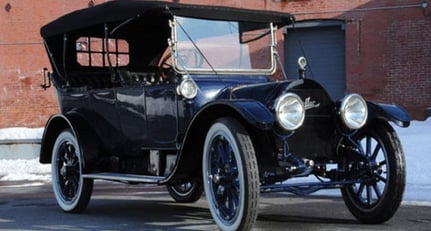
column 129, row 9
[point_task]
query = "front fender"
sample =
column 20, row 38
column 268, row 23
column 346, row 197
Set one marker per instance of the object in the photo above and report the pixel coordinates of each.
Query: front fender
column 252, row 113
column 393, row 113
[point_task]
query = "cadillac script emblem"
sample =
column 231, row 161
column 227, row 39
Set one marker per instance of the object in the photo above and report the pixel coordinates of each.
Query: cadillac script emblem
column 309, row 104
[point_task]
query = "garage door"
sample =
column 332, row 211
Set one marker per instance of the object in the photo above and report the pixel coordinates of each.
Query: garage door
column 323, row 44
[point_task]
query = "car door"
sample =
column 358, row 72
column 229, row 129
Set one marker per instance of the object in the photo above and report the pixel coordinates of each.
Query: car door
column 131, row 109
column 104, row 116
column 162, row 115
column 148, row 115
column 95, row 103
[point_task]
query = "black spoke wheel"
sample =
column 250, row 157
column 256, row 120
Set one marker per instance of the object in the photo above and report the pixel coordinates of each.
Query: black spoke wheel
column 71, row 191
column 187, row 192
column 230, row 175
column 382, row 172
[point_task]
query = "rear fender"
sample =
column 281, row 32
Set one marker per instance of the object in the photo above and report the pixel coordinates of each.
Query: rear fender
column 392, row 113
column 251, row 113
column 87, row 139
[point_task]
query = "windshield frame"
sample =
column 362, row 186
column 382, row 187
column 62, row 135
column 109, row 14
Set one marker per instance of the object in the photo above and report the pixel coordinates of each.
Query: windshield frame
column 180, row 68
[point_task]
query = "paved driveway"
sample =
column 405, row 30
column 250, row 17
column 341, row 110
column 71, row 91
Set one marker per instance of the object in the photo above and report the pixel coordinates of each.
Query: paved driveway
column 114, row 206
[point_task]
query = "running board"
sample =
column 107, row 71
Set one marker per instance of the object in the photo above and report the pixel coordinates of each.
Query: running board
column 124, row 177
column 306, row 188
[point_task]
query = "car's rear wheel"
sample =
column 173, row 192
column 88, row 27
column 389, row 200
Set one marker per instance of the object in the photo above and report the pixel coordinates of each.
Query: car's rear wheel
column 71, row 190
column 186, row 192
column 377, row 197
column 230, row 175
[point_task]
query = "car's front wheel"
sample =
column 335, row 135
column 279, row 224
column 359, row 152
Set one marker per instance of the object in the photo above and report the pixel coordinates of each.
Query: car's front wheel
column 71, row 190
column 378, row 195
column 230, row 175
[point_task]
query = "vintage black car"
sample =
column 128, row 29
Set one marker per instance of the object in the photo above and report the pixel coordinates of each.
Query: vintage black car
column 183, row 96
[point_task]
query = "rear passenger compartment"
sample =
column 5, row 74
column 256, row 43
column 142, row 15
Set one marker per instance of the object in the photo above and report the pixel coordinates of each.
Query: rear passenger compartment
column 103, row 78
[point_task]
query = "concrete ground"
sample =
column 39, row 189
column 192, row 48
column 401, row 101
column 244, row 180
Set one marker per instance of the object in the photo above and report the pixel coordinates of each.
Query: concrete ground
column 114, row 206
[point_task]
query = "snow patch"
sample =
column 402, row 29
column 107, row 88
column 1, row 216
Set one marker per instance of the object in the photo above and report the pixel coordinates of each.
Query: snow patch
column 19, row 133
column 24, row 170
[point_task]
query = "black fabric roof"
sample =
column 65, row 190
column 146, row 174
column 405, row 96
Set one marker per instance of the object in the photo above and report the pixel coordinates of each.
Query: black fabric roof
column 120, row 10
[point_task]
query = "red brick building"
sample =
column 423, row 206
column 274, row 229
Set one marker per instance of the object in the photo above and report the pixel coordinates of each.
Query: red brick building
column 385, row 50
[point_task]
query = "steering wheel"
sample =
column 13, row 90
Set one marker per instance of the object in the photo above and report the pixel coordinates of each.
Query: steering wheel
column 166, row 62
column 166, row 69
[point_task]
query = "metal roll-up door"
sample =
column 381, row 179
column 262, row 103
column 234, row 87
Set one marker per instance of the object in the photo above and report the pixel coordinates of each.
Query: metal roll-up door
column 323, row 44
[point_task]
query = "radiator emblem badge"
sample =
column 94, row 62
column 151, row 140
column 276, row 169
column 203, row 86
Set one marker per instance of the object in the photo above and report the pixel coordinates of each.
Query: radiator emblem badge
column 309, row 104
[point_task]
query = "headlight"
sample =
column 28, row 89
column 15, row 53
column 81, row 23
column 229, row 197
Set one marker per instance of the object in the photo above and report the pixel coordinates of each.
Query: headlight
column 187, row 88
column 289, row 111
column 354, row 111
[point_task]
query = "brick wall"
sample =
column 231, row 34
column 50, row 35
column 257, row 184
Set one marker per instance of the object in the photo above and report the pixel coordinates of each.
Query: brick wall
column 388, row 47
column 388, row 50
column 409, row 64
column 389, row 54
column 22, row 58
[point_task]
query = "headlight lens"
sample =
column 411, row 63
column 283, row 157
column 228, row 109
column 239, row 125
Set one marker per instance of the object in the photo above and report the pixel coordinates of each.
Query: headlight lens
column 289, row 111
column 188, row 88
column 354, row 111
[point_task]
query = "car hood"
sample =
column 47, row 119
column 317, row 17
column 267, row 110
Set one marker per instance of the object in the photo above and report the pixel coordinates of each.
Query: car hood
column 309, row 91
column 263, row 92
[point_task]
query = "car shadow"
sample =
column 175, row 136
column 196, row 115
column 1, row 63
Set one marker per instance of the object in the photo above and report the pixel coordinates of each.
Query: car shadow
column 119, row 207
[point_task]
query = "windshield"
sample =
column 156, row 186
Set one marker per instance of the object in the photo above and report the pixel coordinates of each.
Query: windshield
column 210, row 46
